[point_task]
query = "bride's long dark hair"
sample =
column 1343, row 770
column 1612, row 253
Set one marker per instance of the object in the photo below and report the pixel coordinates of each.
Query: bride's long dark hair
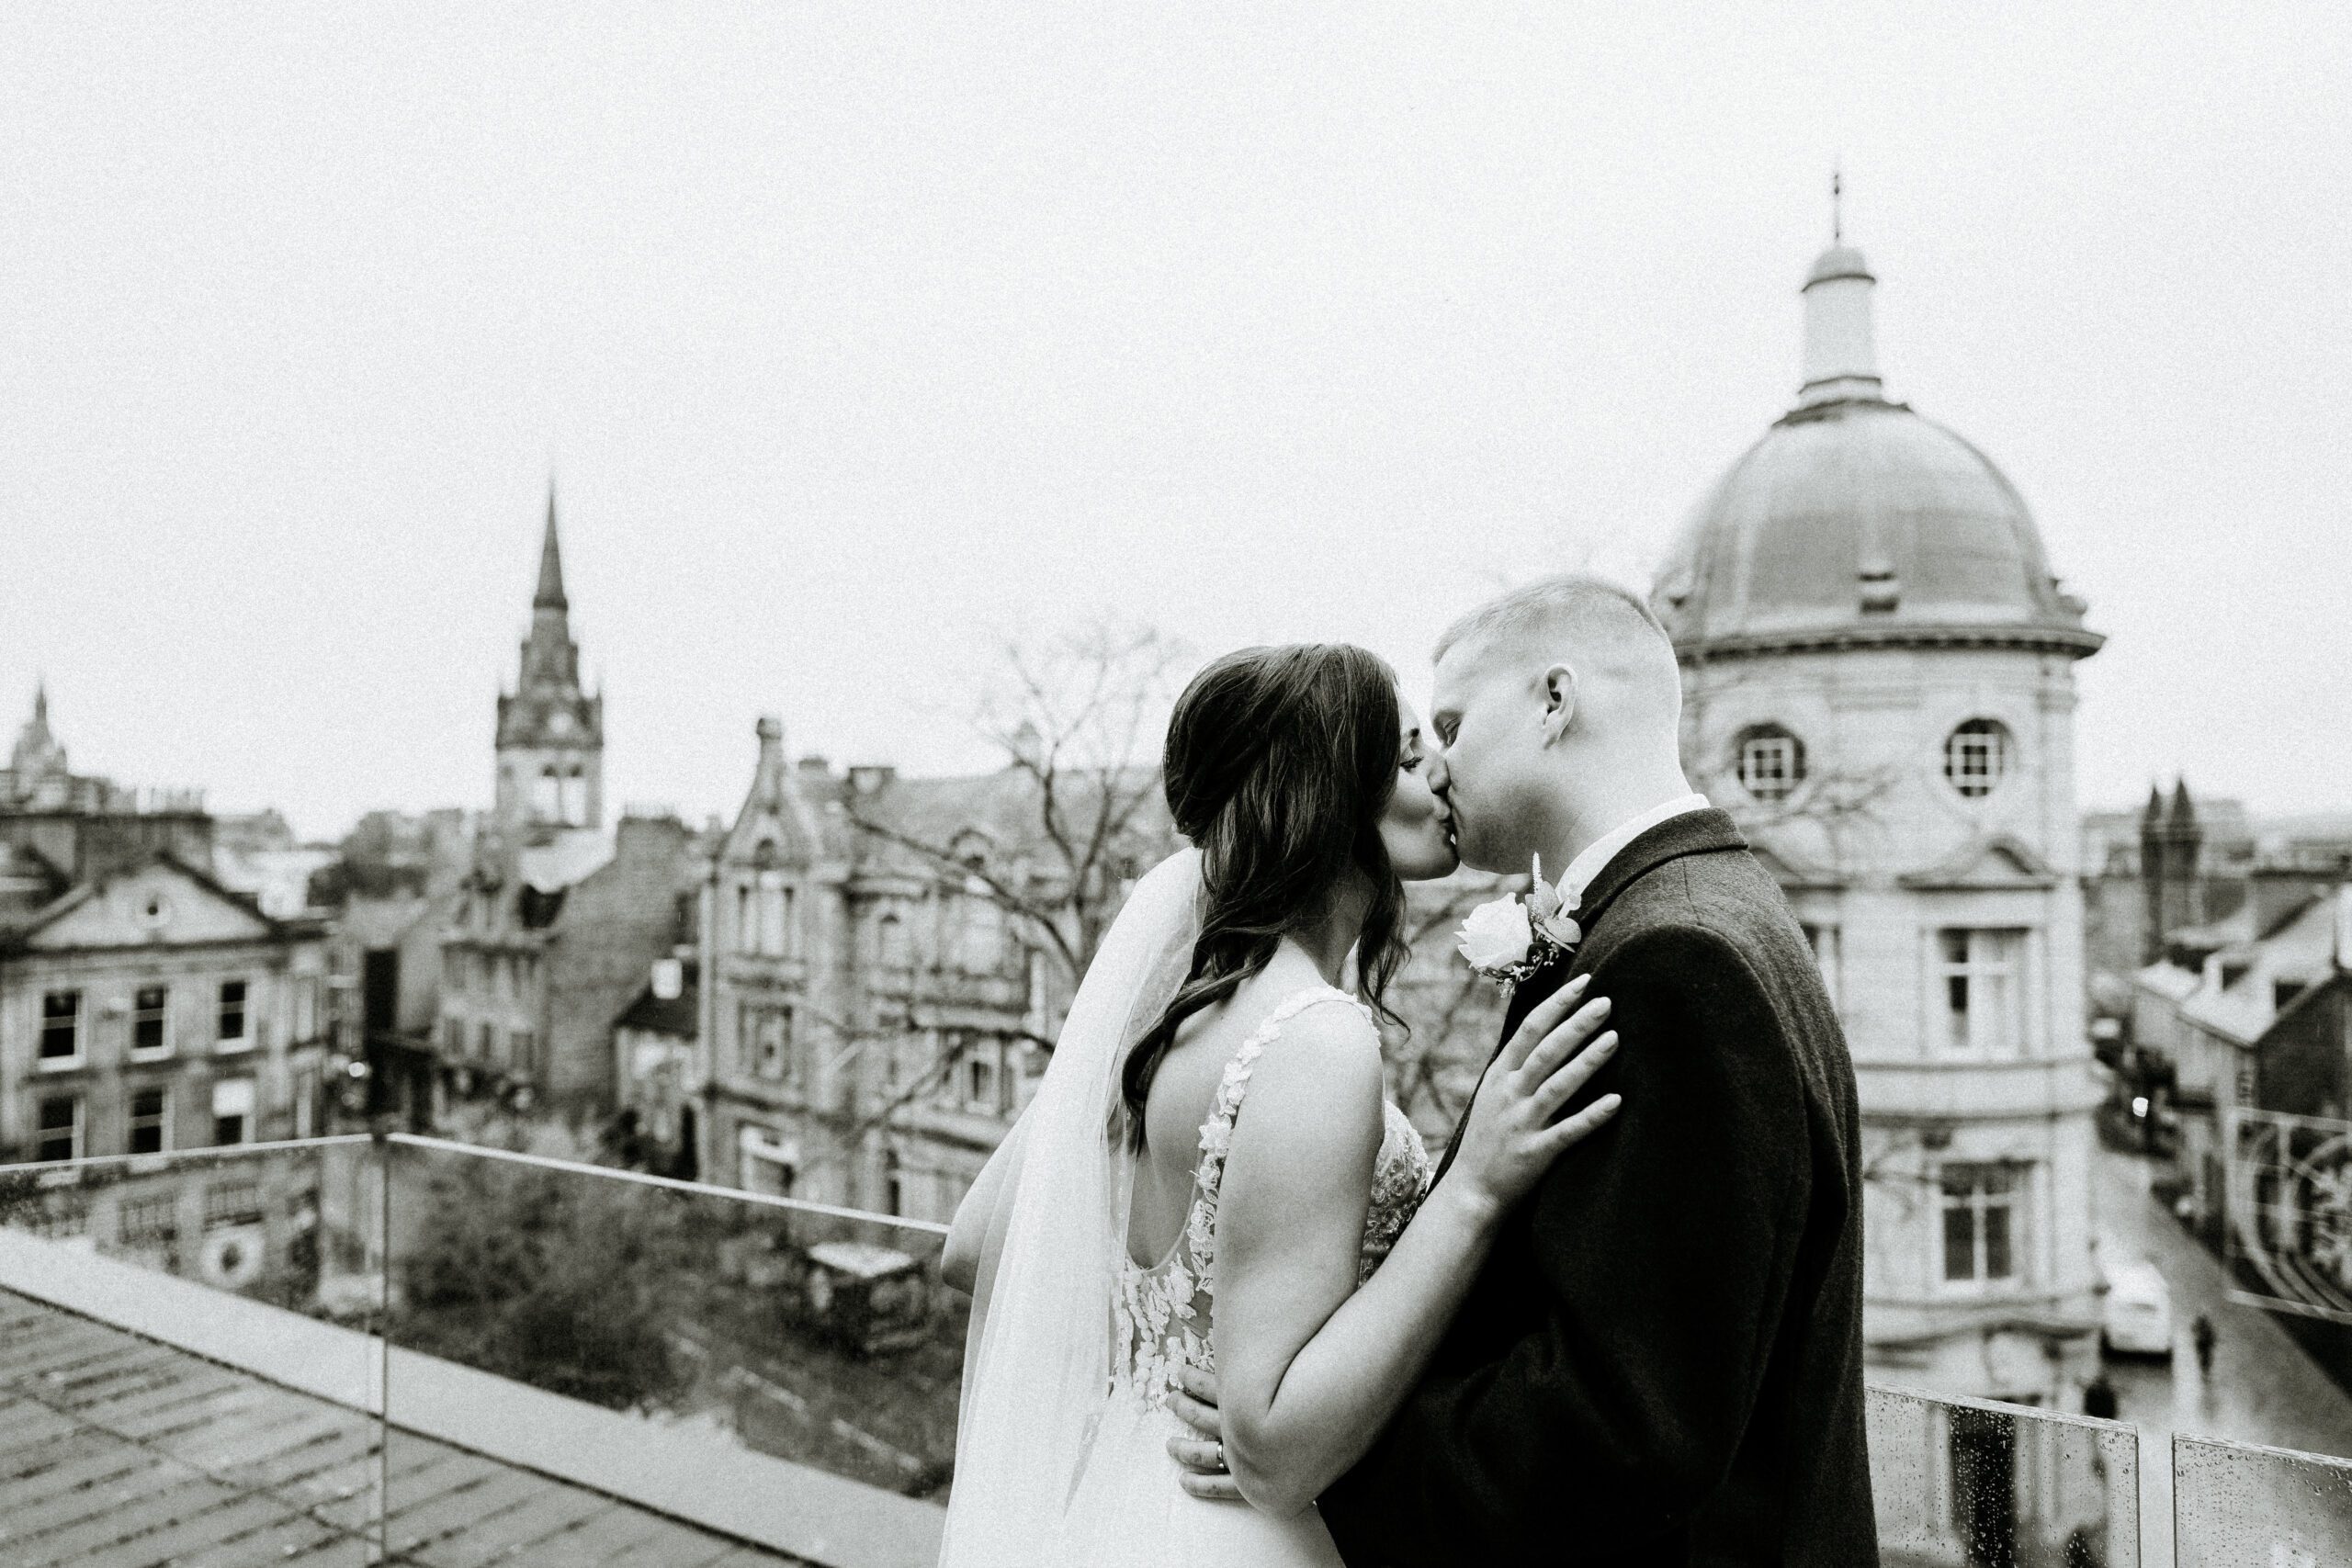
column 1279, row 764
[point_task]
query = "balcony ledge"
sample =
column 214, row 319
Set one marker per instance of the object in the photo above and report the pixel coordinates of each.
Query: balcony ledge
column 794, row 1508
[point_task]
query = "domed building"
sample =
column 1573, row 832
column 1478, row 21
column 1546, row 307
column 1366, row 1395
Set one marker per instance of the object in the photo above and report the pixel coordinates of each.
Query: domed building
column 1878, row 669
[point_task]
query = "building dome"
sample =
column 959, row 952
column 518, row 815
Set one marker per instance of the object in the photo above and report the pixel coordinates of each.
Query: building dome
column 1856, row 522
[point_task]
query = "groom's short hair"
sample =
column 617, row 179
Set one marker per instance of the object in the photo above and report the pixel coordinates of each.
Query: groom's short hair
column 1573, row 603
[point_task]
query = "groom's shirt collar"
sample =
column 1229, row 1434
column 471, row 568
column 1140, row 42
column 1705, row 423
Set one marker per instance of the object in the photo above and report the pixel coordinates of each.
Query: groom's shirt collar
column 1601, row 850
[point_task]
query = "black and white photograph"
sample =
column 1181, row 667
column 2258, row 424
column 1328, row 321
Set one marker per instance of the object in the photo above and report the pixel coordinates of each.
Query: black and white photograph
column 815, row 785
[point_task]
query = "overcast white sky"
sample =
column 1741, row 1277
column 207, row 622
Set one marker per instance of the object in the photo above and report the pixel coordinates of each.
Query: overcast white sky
column 858, row 333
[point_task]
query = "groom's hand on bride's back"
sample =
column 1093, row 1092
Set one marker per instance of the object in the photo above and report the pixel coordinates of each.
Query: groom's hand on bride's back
column 1203, row 1456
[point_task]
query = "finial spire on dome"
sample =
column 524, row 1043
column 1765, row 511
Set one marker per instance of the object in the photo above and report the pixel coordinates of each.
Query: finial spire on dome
column 550, row 594
column 1840, row 353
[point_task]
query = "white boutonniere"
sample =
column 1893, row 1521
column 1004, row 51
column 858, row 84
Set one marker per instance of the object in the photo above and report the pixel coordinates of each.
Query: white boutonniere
column 1511, row 938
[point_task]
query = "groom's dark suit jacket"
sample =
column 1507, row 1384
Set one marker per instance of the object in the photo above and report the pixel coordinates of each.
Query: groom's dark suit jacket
column 1661, row 1361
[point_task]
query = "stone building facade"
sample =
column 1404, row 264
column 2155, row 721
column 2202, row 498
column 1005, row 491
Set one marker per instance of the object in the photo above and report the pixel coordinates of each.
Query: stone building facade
column 874, row 1012
column 144, row 1007
column 1878, row 669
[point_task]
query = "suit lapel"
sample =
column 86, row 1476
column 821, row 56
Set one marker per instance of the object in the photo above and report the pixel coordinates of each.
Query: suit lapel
column 1693, row 832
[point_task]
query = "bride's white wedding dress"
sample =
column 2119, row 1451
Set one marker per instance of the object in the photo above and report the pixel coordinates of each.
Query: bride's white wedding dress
column 1125, row 1505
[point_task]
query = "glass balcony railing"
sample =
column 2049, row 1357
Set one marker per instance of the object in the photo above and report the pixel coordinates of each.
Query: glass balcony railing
column 403, row 1351
column 2234, row 1504
column 785, row 1372
column 190, row 1356
column 1975, row 1484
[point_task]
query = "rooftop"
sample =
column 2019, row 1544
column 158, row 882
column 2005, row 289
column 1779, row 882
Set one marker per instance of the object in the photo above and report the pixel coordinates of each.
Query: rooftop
column 118, row 1450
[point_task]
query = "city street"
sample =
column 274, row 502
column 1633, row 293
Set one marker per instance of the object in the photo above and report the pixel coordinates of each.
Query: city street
column 2263, row 1389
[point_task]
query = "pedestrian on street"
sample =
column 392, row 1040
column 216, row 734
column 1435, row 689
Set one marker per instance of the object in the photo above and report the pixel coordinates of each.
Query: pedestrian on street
column 2203, row 1335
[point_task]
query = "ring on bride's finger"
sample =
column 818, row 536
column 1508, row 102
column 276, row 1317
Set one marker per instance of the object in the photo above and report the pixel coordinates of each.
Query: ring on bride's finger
column 1220, row 1453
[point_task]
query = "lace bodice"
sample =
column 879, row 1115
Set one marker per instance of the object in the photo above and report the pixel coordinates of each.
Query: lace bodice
column 1161, row 1315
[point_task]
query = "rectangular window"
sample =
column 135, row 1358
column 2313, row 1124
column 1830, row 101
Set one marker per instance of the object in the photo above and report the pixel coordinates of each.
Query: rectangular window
column 525, row 1047
column 775, row 914
column 232, row 1111
column 234, row 1034
column 747, row 924
column 235, row 1201
column 453, row 1036
column 306, row 1008
column 983, row 1075
column 1981, row 1241
column 58, row 1135
column 150, row 1021
column 766, row 1163
column 60, row 1026
column 1983, row 990
column 980, row 936
column 768, row 1042
column 485, row 1041
column 152, row 1221
column 65, row 1215
column 149, row 1120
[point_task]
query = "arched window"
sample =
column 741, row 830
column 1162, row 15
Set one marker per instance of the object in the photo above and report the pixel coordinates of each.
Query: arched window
column 1976, row 757
column 1769, row 760
column 547, row 802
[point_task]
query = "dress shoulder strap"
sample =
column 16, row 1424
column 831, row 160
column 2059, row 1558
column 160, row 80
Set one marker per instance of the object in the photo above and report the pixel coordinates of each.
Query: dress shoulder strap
column 1216, row 1133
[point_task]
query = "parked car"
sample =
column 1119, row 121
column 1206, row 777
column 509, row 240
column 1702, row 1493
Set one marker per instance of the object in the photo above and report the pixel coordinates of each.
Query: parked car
column 2136, row 1319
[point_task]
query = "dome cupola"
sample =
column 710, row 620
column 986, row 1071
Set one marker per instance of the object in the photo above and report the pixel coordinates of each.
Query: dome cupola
column 1855, row 522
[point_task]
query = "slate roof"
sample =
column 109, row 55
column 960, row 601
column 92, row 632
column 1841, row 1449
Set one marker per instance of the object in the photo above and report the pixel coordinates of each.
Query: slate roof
column 117, row 1451
column 1001, row 806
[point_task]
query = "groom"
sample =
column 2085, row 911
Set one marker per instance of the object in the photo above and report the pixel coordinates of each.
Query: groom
column 1661, row 1360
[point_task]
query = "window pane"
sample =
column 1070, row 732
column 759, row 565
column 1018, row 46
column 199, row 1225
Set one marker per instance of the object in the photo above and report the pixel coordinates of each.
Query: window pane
column 1959, row 1242
column 1996, row 1241
column 60, row 1013
column 147, row 1018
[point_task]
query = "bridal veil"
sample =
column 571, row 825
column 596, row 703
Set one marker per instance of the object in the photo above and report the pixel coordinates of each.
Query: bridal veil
column 1037, row 1363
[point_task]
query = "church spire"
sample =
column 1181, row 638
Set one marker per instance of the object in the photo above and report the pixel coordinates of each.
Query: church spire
column 550, row 594
column 1840, row 355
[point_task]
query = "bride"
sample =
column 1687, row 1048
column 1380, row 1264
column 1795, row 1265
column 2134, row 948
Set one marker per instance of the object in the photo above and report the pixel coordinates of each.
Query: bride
column 1136, row 1222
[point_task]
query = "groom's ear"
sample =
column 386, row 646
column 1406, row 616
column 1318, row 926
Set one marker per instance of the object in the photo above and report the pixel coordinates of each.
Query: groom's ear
column 1559, row 694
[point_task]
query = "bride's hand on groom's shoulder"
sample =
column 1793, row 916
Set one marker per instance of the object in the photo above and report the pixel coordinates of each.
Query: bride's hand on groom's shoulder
column 1203, row 1456
column 1515, row 1129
